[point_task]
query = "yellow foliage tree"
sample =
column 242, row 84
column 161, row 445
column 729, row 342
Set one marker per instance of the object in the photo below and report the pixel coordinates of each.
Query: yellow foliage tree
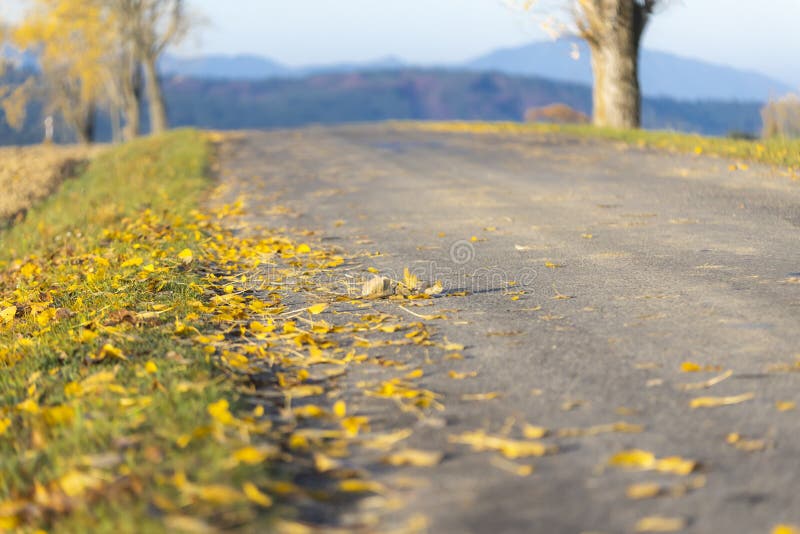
column 75, row 42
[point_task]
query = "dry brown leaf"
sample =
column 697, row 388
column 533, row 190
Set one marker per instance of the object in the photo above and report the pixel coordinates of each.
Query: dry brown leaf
column 377, row 287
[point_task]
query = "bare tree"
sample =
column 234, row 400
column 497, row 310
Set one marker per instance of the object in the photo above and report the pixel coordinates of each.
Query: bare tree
column 613, row 30
column 151, row 26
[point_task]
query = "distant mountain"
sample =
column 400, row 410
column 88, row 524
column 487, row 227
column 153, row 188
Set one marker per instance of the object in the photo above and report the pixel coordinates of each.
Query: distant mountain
column 662, row 74
column 239, row 67
column 252, row 67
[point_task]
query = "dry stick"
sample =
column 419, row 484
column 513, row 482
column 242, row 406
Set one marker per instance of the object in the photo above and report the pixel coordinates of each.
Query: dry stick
column 412, row 313
column 707, row 383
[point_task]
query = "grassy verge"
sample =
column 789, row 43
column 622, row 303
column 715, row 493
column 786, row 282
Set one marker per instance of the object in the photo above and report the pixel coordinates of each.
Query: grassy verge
column 783, row 153
column 114, row 410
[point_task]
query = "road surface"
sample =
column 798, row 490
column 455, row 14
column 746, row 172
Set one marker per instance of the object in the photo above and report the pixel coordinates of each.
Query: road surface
column 627, row 263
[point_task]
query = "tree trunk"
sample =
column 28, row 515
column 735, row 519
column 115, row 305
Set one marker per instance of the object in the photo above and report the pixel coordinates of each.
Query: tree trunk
column 614, row 40
column 84, row 124
column 132, row 98
column 155, row 98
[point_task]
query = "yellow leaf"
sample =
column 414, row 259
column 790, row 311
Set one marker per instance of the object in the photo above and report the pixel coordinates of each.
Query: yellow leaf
column 551, row 265
column 219, row 494
column 303, row 249
column 634, row 459
column 4, row 424
column 251, row 455
column 149, row 268
column 676, row 465
column 186, row 256
column 55, row 415
column 461, row 376
column 785, row 406
column 354, row 485
column 323, row 463
column 411, row 281
column 45, row 317
column 785, row 529
column 711, row 402
column 110, row 350
column 308, row 411
column 691, row 367
column 521, row 470
column 150, row 367
column 340, row 408
column 75, row 483
column 659, row 523
column 87, row 336
column 28, row 406
column 643, row 490
column 255, row 495
column 133, row 262
column 645, row 460
column 317, row 308
column 7, row 314
column 413, row 457
column 220, row 412
column 534, row 432
column 480, row 441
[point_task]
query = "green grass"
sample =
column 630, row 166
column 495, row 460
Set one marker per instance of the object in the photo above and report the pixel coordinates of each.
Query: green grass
column 778, row 152
column 161, row 173
column 104, row 395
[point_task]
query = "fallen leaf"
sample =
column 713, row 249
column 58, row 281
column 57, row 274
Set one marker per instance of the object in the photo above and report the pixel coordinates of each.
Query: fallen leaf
column 534, row 432
column 413, row 457
column 255, row 495
column 510, row 448
column 340, row 409
column 252, row 455
column 711, row 402
column 644, row 490
column 461, row 376
column 634, row 459
column 785, row 406
column 480, row 396
column 659, row 523
column 186, row 256
column 317, row 308
column 355, row 485
column 219, row 494
column 520, row 470
column 785, row 529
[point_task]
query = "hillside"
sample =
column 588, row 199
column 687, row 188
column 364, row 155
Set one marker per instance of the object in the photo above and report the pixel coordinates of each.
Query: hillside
column 662, row 74
column 419, row 94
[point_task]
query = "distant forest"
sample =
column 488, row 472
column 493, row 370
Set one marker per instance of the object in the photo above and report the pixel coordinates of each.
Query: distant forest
column 419, row 94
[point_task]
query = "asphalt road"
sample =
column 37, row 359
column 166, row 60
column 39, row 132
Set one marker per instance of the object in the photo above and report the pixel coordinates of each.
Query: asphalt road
column 654, row 259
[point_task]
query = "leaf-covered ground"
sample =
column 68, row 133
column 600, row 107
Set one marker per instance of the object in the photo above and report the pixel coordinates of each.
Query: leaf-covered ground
column 159, row 372
column 170, row 367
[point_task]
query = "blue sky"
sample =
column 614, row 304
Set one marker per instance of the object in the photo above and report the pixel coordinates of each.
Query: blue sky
column 742, row 33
